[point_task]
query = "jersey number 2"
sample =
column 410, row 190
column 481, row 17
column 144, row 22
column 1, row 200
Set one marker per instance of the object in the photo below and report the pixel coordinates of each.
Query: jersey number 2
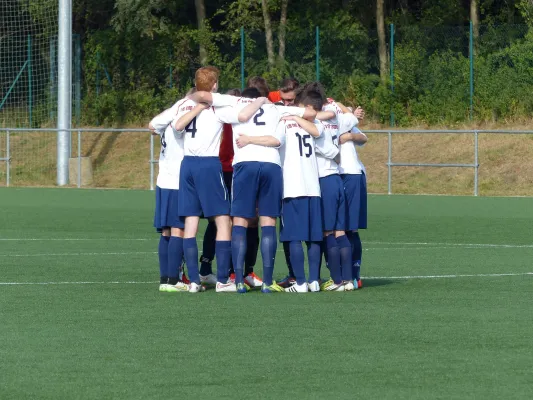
column 256, row 118
column 302, row 141
column 191, row 128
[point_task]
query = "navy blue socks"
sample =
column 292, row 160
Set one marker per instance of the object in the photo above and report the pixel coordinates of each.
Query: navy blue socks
column 313, row 257
column 190, row 250
column 357, row 254
column 208, row 249
column 163, row 258
column 238, row 251
column 252, row 247
column 345, row 249
column 269, row 246
column 175, row 255
column 334, row 258
column 297, row 261
column 223, row 253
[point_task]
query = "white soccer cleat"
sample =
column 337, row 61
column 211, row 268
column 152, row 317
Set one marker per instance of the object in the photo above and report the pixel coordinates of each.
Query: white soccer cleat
column 314, row 286
column 303, row 288
column 331, row 286
column 253, row 280
column 348, row 286
column 210, row 279
column 226, row 287
column 195, row 288
column 178, row 287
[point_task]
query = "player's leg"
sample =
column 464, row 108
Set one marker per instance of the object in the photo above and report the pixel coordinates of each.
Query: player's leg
column 208, row 250
column 189, row 207
column 269, row 197
column 352, row 188
column 289, row 279
column 243, row 209
column 329, row 208
column 313, row 258
column 160, row 225
column 175, row 244
column 344, row 244
column 252, row 247
column 362, row 224
column 295, row 229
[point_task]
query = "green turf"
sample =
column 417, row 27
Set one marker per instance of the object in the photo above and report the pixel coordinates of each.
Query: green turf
column 449, row 338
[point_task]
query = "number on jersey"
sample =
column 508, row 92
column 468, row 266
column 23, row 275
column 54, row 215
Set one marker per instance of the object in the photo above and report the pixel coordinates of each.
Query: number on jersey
column 257, row 115
column 163, row 143
column 302, row 141
column 191, row 128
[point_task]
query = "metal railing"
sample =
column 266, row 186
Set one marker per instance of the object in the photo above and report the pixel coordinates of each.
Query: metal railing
column 390, row 163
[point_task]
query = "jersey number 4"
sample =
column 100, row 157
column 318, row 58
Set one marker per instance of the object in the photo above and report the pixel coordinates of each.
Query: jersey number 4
column 302, row 141
column 163, row 143
column 191, row 128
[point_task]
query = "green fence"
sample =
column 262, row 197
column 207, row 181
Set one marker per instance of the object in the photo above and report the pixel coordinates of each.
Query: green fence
column 435, row 75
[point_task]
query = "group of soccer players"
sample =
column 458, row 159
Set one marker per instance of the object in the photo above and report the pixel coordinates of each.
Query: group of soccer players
column 289, row 154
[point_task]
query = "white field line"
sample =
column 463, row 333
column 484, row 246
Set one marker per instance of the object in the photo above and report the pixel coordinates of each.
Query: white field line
column 78, row 254
column 364, row 277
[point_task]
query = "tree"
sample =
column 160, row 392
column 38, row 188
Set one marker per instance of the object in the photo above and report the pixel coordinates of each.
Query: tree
column 200, row 16
column 474, row 17
column 382, row 48
column 268, row 33
column 282, row 29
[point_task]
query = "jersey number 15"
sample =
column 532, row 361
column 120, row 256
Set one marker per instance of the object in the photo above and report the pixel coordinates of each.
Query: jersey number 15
column 302, row 141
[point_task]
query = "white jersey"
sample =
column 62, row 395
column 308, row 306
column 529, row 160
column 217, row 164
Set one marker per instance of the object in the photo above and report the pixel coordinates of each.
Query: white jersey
column 201, row 138
column 300, row 169
column 350, row 163
column 327, row 145
column 171, row 153
column 263, row 123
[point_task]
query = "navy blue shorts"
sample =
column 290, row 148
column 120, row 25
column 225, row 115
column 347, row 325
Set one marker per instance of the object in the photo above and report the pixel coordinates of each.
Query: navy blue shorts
column 166, row 209
column 333, row 203
column 256, row 185
column 301, row 220
column 356, row 202
column 202, row 189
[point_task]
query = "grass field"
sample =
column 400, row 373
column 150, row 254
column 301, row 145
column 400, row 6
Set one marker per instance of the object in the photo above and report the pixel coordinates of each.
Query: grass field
column 446, row 312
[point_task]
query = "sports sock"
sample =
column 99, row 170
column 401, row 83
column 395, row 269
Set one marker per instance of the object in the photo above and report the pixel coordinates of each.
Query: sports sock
column 163, row 258
column 334, row 258
column 175, row 254
column 287, row 251
column 223, row 253
column 190, row 250
column 208, row 249
column 252, row 247
column 313, row 257
column 345, row 250
column 357, row 255
column 269, row 246
column 238, row 251
column 297, row 261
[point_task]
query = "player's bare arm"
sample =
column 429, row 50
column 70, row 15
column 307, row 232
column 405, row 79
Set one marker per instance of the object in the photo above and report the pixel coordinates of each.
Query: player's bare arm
column 325, row 115
column 248, row 112
column 186, row 119
column 267, row 141
column 306, row 125
column 358, row 138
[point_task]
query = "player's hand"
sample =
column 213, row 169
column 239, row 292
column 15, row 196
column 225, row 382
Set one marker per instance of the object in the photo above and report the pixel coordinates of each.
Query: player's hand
column 359, row 113
column 242, row 141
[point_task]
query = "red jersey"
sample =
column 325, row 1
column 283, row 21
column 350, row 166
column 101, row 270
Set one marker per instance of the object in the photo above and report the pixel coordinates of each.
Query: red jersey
column 226, row 148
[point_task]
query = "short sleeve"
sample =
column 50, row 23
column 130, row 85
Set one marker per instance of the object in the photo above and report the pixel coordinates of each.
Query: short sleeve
column 320, row 127
column 161, row 121
column 280, row 133
column 227, row 115
column 347, row 122
column 357, row 130
column 222, row 100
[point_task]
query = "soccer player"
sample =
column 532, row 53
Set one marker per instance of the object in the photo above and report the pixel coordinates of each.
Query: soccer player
column 354, row 177
column 286, row 94
column 302, row 215
column 203, row 191
column 166, row 219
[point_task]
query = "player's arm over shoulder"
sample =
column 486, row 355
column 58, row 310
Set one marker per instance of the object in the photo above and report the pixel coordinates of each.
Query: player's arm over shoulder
column 184, row 116
column 355, row 135
column 159, row 123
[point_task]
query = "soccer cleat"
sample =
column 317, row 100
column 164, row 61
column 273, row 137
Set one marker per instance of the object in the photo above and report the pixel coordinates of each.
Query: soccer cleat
column 208, row 279
column 178, row 287
column 295, row 288
column 195, row 288
column 331, row 286
column 359, row 284
column 226, row 287
column 253, row 280
column 348, row 286
column 287, row 281
column 271, row 288
column 314, row 286
column 242, row 288
column 232, row 277
column 163, row 287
